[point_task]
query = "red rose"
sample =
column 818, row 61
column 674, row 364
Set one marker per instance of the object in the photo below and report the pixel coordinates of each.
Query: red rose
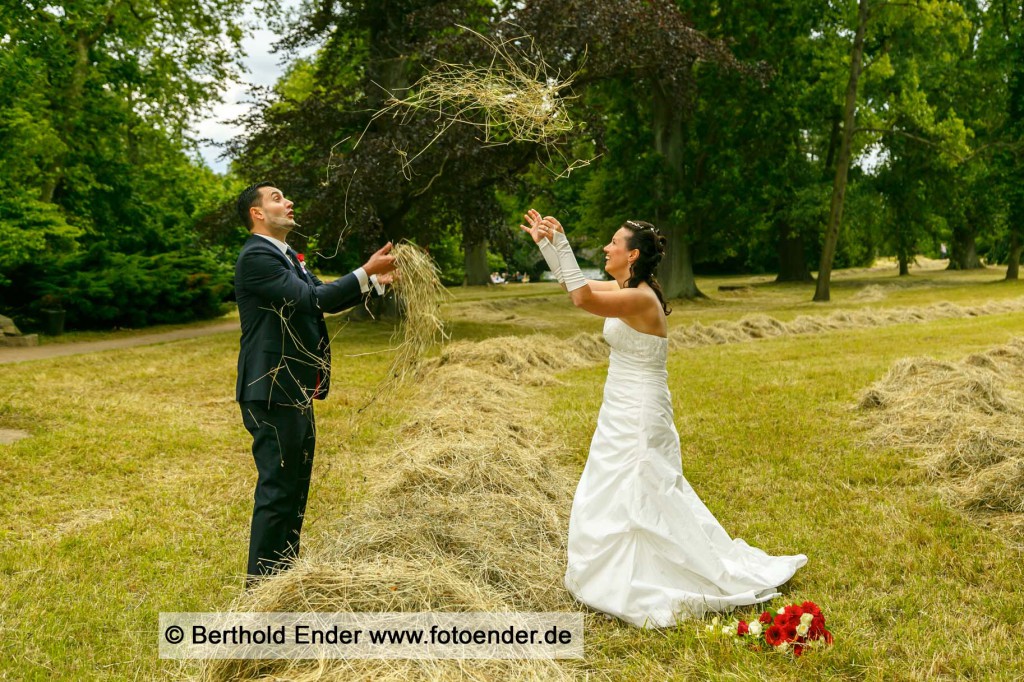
column 817, row 629
column 811, row 607
column 742, row 628
column 765, row 618
column 301, row 257
column 790, row 613
column 798, row 649
column 774, row 636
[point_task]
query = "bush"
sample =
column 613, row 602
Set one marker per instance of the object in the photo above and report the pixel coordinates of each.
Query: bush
column 100, row 289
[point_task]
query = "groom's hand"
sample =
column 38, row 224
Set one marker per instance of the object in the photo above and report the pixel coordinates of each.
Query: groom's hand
column 380, row 262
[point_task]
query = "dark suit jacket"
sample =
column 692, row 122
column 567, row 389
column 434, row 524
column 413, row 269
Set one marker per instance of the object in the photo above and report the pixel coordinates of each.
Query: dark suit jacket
column 285, row 354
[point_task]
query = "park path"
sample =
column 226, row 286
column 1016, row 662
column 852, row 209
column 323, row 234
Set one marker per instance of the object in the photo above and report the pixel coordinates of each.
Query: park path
column 56, row 350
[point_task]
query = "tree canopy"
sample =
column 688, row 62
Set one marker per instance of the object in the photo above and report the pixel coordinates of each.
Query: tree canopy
column 785, row 137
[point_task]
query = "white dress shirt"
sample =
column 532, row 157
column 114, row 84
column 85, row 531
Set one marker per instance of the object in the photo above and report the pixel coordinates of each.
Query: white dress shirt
column 364, row 281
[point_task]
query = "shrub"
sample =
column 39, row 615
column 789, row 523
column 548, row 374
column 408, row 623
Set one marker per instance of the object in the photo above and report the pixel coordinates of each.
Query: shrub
column 101, row 289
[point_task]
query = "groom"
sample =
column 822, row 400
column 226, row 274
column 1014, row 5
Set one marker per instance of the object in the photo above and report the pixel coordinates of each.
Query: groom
column 284, row 363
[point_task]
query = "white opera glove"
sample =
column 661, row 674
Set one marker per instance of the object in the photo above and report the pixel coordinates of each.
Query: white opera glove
column 572, row 276
column 547, row 249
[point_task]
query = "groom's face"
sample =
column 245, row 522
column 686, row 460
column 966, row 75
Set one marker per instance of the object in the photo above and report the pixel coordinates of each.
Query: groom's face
column 275, row 211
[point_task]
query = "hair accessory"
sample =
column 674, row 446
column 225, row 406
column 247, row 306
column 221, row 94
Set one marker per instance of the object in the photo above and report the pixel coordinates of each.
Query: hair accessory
column 635, row 225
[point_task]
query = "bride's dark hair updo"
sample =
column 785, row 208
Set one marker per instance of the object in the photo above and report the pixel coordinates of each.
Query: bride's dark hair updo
column 651, row 244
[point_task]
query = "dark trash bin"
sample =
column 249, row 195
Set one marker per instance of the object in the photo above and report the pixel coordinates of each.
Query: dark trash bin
column 53, row 322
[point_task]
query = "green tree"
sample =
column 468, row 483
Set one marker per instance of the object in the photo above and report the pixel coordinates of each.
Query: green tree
column 96, row 98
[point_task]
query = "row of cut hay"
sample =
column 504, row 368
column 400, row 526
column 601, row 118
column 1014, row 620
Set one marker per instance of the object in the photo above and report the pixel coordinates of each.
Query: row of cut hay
column 869, row 294
column 467, row 513
column 965, row 420
column 762, row 326
column 759, row 326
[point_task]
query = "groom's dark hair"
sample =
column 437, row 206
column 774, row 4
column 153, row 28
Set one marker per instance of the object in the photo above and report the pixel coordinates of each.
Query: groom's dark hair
column 250, row 196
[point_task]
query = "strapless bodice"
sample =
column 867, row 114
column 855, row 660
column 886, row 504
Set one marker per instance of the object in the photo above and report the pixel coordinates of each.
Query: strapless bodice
column 632, row 349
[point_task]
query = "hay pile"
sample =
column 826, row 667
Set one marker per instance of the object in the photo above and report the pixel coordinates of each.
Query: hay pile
column 966, row 421
column 468, row 513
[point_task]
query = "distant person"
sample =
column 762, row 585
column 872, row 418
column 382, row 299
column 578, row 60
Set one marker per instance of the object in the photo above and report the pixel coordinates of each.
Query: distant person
column 642, row 545
column 496, row 278
column 284, row 364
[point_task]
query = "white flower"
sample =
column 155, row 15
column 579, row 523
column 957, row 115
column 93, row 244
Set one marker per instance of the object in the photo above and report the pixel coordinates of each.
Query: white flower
column 755, row 628
column 781, row 610
column 802, row 629
column 726, row 630
column 806, row 618
column 784, row 647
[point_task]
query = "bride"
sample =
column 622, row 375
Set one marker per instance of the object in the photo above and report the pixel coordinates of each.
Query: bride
column 642, row 545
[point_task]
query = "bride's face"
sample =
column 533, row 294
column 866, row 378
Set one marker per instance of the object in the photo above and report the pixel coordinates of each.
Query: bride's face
column 618, row 256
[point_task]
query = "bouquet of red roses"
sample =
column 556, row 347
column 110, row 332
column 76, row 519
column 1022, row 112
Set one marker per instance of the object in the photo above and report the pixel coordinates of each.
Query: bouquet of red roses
column 792, row 629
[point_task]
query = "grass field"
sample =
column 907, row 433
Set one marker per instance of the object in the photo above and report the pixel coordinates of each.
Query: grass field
column 132, row 496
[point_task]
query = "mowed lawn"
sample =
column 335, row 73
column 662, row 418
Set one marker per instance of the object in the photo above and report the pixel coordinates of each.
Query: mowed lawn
column 132, row 496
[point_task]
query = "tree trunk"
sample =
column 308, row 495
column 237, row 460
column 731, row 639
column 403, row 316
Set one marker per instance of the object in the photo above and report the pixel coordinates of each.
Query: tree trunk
column 904, row 265
column 1013, row 264
column 676, row 270
column 828, row 252
column 964, row 251
column 70, row 106
column 790, row 250
column 476, row 263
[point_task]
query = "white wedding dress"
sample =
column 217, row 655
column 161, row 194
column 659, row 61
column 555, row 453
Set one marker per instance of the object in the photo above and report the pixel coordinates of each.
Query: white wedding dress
column 642, row 545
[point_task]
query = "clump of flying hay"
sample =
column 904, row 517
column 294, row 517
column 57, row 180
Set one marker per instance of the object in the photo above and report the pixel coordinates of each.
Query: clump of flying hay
column 511, row 99
column 467, row 512
column 965, row 420
column 420, row 294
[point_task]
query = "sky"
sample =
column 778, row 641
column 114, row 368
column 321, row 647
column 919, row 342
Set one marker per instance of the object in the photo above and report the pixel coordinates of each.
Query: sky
column 264, row 69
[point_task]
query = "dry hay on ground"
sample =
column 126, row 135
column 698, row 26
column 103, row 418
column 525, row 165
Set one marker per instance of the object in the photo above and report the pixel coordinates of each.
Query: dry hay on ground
column 869, row 294
column 468, row 513
column 762, row 326
column 966, row 421
column 505, row 311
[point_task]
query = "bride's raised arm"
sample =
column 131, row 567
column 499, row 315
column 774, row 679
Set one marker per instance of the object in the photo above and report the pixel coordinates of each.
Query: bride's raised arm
column 543, row 235
column 606, row 299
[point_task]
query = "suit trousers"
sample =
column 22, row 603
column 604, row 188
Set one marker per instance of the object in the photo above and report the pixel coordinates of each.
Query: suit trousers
column 283, row 442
